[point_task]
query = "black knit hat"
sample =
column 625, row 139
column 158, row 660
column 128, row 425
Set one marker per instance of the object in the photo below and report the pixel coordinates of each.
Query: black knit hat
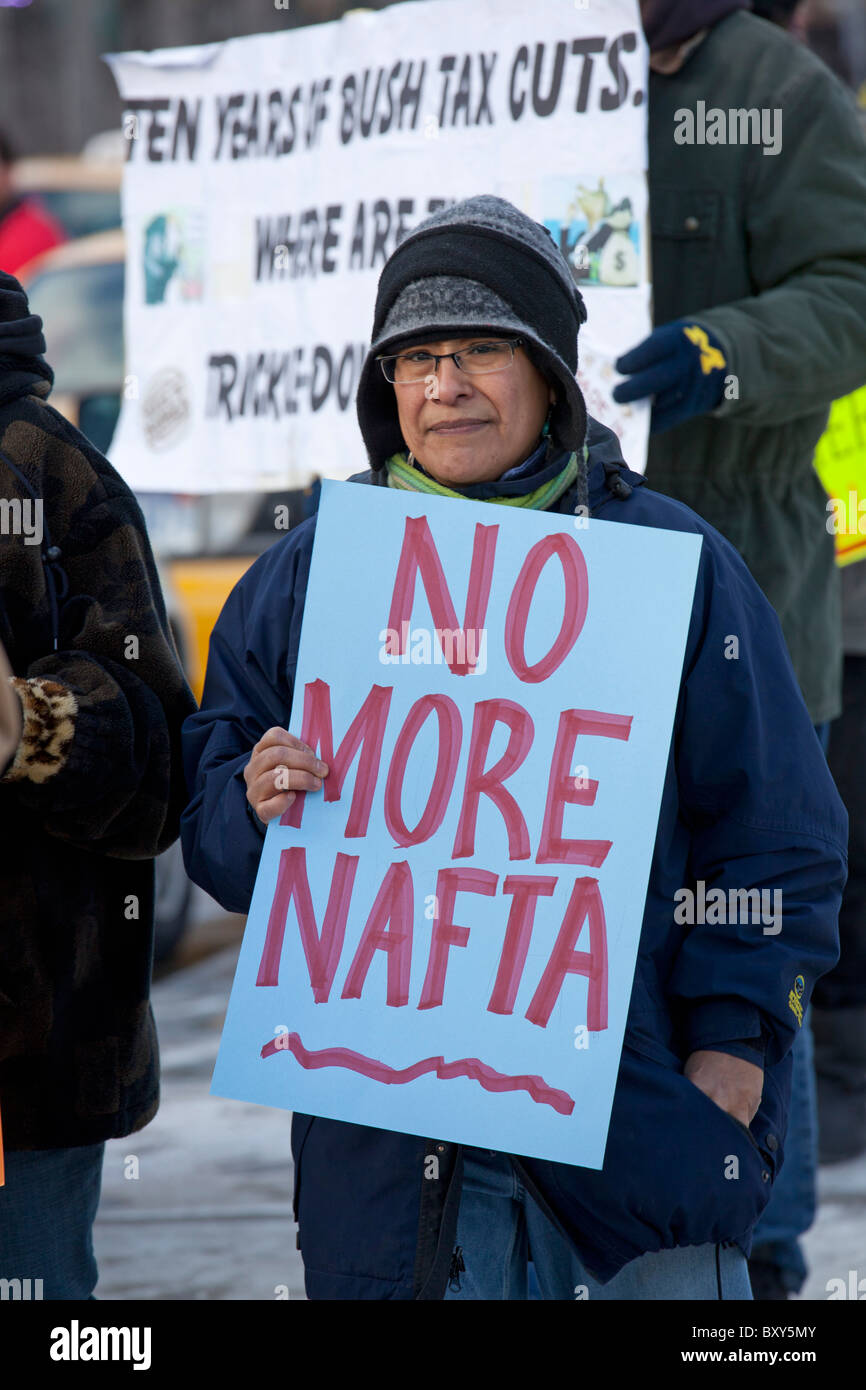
column 481, row 264
column 22, row 343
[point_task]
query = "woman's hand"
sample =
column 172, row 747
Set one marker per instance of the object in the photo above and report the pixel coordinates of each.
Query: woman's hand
column 735, row 1085
column 280, row 766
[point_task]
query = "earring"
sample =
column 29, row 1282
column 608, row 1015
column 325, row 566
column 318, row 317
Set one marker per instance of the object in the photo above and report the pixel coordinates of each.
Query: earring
column 411, row 459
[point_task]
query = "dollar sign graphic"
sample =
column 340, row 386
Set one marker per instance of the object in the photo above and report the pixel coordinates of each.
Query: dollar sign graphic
column 620, row 260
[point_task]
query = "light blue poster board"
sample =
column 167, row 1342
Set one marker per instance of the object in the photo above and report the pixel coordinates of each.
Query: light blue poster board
column 472, row 942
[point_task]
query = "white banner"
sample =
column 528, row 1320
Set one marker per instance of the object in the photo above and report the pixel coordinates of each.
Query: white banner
column 269, row 178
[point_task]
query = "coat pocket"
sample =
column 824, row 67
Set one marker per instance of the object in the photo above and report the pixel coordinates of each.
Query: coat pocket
column 678, row 1170
column 705, row 1178
column 685, row 232
column 717, row 1121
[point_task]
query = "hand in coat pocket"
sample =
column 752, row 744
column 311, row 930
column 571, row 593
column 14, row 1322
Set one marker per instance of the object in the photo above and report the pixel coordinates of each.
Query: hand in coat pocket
column 735, row 1085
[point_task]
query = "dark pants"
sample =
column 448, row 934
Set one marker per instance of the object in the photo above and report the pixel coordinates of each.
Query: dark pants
column 845, row 985
column 47, row 1209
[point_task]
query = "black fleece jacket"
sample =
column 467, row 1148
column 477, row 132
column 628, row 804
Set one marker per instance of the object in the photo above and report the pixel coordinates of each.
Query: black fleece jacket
column 95, row 789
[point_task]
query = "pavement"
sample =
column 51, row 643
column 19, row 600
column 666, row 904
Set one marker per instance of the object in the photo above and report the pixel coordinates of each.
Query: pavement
column 835, row 1247
column 198, row 1204
column 206, row 1211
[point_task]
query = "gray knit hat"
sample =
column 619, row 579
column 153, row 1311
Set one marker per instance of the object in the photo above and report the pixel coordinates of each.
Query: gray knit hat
column 479, row 264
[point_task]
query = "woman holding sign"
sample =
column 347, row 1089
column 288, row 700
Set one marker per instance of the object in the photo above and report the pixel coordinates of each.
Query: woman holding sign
column 469, row 392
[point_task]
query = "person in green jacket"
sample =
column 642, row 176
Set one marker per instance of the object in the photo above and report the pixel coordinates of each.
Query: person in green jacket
column 762, row 248
column 757, row 181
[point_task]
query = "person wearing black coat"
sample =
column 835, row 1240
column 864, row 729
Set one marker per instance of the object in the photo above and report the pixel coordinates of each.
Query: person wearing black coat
column 93, row 791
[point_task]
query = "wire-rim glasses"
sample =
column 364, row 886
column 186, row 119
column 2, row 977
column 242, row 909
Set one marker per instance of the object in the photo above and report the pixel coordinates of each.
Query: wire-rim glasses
column 410, row 368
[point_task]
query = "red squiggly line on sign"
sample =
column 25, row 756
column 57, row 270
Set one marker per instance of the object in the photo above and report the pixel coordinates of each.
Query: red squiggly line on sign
column 476, row 1070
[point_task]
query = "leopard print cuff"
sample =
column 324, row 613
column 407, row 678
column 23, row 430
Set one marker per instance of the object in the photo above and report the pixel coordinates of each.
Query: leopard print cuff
column 49, row 711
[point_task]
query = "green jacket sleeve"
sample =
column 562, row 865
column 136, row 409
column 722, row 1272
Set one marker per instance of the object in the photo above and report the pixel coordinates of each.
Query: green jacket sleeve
column 799, row 341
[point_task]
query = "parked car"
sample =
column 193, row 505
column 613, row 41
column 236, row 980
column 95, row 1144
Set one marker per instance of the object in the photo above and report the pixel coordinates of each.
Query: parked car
column 82, row 194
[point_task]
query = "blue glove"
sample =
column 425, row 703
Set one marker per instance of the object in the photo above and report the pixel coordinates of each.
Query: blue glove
column 682, row 365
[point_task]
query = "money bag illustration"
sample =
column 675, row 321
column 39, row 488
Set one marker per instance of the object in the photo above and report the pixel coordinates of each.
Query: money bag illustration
column 617, row 257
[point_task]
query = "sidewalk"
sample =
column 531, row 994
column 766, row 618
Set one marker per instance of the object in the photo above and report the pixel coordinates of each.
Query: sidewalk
column 836, row 1244
column 210, row 1214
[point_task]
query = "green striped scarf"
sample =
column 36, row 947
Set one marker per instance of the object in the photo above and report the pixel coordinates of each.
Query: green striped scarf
column 401, row 474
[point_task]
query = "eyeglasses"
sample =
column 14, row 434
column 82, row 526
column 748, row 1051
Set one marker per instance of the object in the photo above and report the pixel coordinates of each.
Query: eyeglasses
column 409, row 368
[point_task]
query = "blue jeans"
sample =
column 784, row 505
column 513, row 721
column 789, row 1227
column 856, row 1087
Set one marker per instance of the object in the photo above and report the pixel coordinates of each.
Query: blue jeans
column 500, row 1228
column 47, row 1209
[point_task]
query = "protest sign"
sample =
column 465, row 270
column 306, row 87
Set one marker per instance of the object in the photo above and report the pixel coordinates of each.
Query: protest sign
column 269, row 178
column 442, row 941
column 840, row 461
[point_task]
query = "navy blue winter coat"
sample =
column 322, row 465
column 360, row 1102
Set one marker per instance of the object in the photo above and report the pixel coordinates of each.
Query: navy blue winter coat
column 747, row 803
